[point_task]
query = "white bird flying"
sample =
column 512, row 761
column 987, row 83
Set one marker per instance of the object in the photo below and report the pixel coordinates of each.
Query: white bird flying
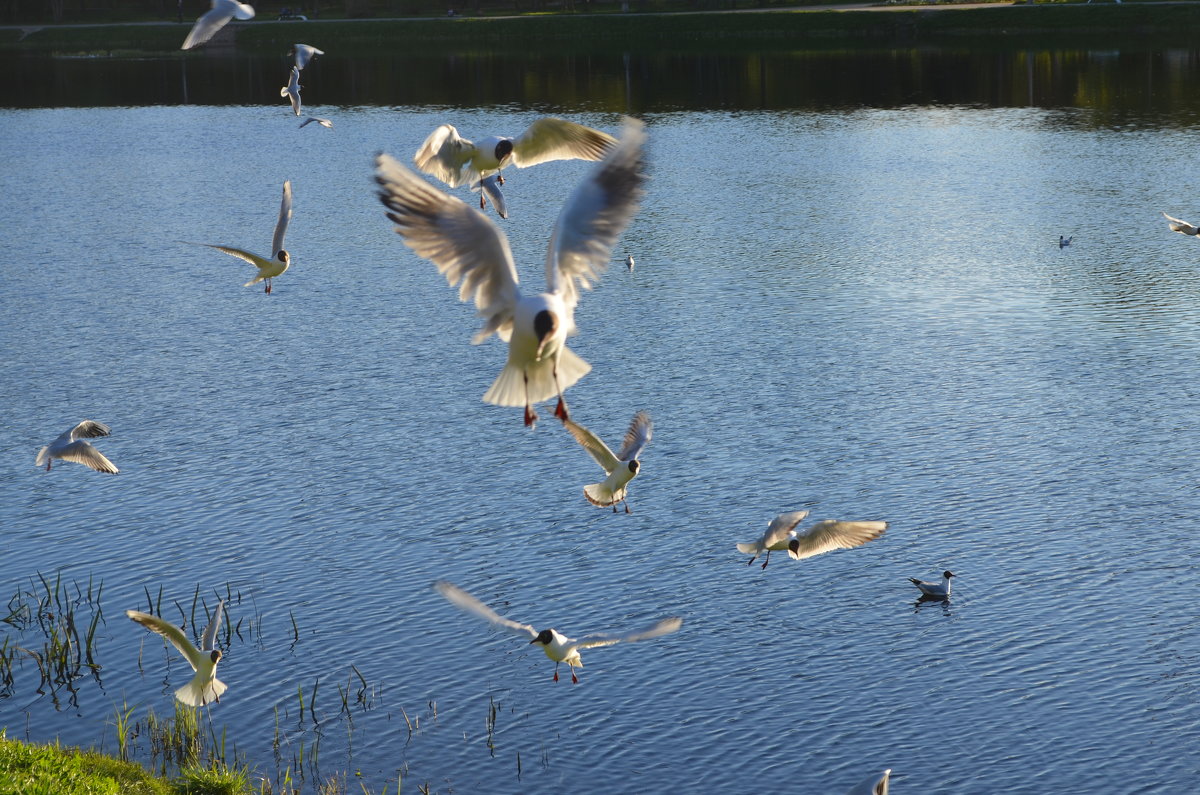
column 280, row 259
column 468, row 247
column 305, row 53
column 491, row 189
column 824, row 536
column 937, row 590
column 558, row 647
column 457, row 161
column 876, row 784
column 213, row 20
column 70, row 446
column 205, row 686
column 1182, row 227
column 292, row 90
column 621, row 467
column 322, row 122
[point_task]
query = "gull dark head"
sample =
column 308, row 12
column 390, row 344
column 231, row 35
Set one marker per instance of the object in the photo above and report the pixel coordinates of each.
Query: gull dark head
column 283, row 256
column 545, row 323
column 545, row 637
column 216, row 656
column 503, row 149
column 634, row 465
column 947, row 574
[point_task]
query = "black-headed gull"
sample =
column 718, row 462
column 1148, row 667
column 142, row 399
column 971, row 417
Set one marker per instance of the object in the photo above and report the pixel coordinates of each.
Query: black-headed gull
column 1063, row 242
column 620, row 467
column 1180, row 226
column 876, row 784
column 292, row 90
column 280, row 259
column 629, row 261
column 824, row 536
column 320, row 121
column 70, row 446
column 937, row 590
column 205, row 686
column 456, row 161
column 468, row 247
column 214, row 19
column 557, row 646
column 305, row 53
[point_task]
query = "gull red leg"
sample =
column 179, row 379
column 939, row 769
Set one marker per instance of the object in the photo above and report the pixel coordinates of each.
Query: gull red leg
column 574, row 678
column 768, row 560
column 560, row 410
column 530, row 414
column 556, row 672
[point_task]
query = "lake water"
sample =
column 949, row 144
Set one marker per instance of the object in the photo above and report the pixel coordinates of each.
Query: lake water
column 850, row 304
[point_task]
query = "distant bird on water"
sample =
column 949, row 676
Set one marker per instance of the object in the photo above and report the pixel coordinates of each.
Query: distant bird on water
column 70, row 446
column 824, row 536
column 292, row 90
column 214, row 19
column 629, row 261
column 205, row 686
column 1180, row 226
column 620, row 467
column 280, row 259
column 305, row 53
column 936, row 590
column 875, row 784
column 557, row 646
column 322, row 122
column 468, row 247
column 1063, row 242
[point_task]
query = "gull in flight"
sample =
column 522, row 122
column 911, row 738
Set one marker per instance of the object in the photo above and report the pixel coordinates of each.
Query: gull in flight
column 280, row 260
column 468, row 247
column 209, row 23
column 557, row 646
column 205, row 686
column 936, row 590
column 70, row 446
column 292, row 90
column 876, row 784
column 456, row 161
column 322, row 122
column 621, row 467
column 824, row 536
column 1182, row 227
column 305, row 53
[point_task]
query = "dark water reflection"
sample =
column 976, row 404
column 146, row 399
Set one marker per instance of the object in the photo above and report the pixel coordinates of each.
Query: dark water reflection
column 1140, row 87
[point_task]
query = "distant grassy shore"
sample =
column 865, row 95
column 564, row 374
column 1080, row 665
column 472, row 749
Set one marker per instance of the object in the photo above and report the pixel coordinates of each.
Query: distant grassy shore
column 1021, row 26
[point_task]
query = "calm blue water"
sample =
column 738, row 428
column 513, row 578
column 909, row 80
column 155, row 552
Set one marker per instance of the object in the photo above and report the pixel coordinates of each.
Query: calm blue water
column 863, row 313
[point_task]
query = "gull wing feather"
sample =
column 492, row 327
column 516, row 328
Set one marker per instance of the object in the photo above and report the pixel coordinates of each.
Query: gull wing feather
column 285, row 215
column 637, row 437
column 664, row 627
column 464, row 601
column 443, row 155
column 253, row 259
column 832, row 534
column 88, row 429
column 462, row 242
column 209, row 641
column 214, row 19
column 557, row 139
column 781, row 527
column 1181, row 226
column 171, row 632
column 81, row 452
column 594, row 217
column 593, row 444
column 305, row 53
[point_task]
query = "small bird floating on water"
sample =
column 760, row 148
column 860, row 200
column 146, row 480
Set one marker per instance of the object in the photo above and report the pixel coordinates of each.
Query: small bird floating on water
column 280, row 259
column 629, row 261
column 205, row 686
column 937, row 590
column 70, row 446
column 824, row 536
column 620, row 467
column 1063, row 242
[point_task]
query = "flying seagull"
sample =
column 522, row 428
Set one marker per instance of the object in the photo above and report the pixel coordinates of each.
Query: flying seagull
column 468, row 247
column 214, row 19
column 875, row 784
column 292, row 90
column 937, row 590
column 557, row 647
column 322, row 122
column 70, row 446
column 621, row 467
column 205, row 686
column 1182, row 227
column 280, row 259
column 824, row 536
column 305, row 53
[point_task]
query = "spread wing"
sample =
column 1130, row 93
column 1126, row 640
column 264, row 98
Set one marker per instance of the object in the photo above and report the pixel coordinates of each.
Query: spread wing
column 557, row 139
column 169, row 631
column 664, row 627
column 463, row 600
column 592, row 443
column 285, row 214
column 594, row 216
column 444, row 154
column 305, row 53
column 781, row 526
column 88, row 429
column 462, row 242
column 209, row 641
column 83, row 453
column 213, row 20
column 1178, row 225
column 253, row 259
column 831, row 534
column 637, row 437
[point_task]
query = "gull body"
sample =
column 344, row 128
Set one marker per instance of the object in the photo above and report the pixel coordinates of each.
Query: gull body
column 305, row 53
column 468, row 247
column 292, row 90
column 205, row 686
column 214, row 19
column 824, row 536
column 1180, row 226
column 876, row 784
column 457, row 161
column 558, row 647
column 70, row 446
column 268, row 268
column 629, row 261
column 620, row 467
column 937, row 590
column 322, row 122
column 1063, row 242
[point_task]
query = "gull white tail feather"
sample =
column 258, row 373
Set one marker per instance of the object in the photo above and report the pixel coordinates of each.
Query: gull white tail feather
column 43, row 456
column 509, row 387
column 599, row 494
column 195, row 694
column 749, row 549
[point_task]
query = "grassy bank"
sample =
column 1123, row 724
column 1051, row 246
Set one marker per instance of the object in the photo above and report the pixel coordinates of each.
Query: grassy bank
column 1040, row 25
